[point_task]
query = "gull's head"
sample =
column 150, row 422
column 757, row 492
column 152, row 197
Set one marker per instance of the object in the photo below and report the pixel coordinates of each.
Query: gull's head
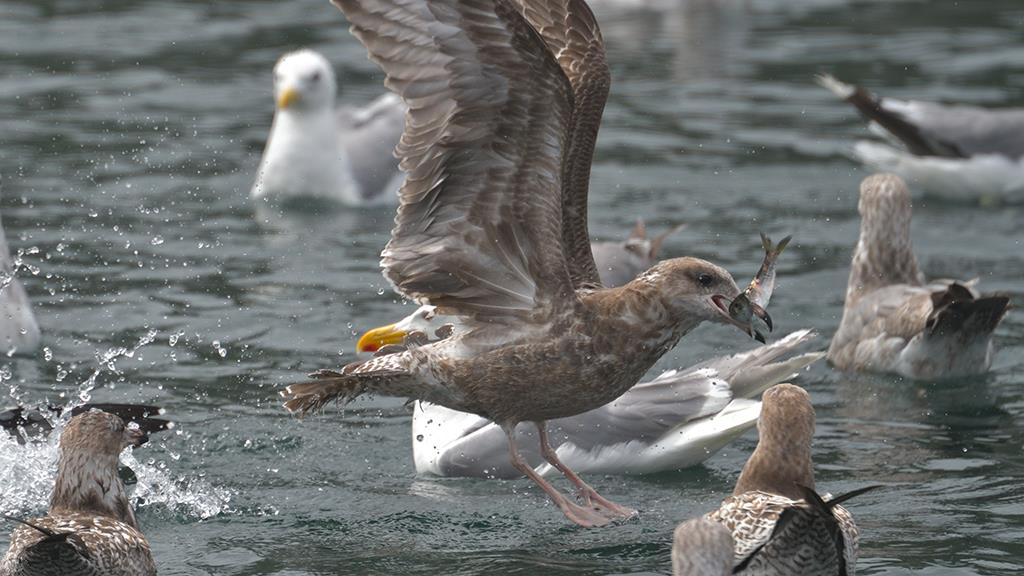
column 695, row 288
column 787, row 416
column 303, row 81
column 702, row 546
column 422, row 320
column 99, row 433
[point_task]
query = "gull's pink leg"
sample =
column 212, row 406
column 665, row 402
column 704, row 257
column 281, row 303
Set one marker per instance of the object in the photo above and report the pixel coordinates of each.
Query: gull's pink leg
column 587, row 494
column 583, row 516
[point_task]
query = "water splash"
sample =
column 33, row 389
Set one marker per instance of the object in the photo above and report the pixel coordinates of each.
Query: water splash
column 27, row 474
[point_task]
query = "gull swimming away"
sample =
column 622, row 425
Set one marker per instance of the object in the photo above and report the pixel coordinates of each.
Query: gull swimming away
column 90, row 529
column 19, row 332
column 777, row 478
column 701, row 547
column 317, row 151
column 893, row 320
column 956, row 151
column 677, row 420
column 505, row 100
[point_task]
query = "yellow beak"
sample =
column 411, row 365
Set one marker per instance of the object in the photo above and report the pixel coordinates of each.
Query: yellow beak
column 375, row 339
column 287, row 98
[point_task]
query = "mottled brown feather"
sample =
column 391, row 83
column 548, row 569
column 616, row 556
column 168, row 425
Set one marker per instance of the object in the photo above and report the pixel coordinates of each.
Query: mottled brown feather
column 479, row 226
column 571, row 33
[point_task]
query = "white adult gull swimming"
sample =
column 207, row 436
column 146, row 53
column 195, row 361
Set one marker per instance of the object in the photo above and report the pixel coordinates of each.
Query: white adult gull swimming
column 317, row 151
column 90, row 529
column 957, row 151
column 893, row 320
column 505, row 99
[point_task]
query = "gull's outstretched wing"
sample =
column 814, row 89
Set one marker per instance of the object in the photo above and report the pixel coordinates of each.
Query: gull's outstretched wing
column 479, row 227
column 571, row 33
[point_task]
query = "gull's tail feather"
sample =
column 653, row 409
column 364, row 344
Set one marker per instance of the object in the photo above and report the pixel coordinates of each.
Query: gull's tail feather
column 874, row 108
column 332, row 386
column 833, row 502
column 966, row 318
column 752, row 372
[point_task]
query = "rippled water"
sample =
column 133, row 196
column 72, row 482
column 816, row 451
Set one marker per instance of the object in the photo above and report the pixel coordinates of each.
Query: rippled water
column 129, row 134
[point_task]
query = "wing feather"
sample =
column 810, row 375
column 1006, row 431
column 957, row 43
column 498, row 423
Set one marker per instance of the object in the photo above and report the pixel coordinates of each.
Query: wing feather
column 571, row 33
column 478, row 227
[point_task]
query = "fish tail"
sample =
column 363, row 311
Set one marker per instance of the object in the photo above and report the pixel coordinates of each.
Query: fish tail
column 773, row 250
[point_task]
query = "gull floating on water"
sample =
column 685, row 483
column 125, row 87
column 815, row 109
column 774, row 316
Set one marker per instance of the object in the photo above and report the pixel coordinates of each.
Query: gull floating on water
column 957, row 151
column 318, row 151
column 676, row 420
column 19, row 332
column 505, row 100
column 90, row 529
column 893, row 320
column 620, row 262
column 771, row 534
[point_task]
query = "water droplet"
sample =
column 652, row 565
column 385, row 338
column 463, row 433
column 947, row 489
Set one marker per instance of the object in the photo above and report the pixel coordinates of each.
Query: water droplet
column 157, row 240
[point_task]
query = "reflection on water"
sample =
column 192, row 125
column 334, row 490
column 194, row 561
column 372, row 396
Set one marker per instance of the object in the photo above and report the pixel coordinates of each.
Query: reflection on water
column 129, row 136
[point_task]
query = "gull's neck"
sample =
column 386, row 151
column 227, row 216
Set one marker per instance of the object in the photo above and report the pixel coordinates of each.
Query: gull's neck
column 88, row 483
column 641, row 313
column 781, row 460
column 884, row 255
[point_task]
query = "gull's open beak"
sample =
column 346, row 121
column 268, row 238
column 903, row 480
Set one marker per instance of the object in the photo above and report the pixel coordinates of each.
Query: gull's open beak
column 721, row 303
column 375, row 339
column 287, row 98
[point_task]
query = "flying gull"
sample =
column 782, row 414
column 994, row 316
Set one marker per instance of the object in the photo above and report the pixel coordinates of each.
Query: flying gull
column 893, row 320
column 957, row 150
column 492, row 227
column 778, row 478
column 676, row 420
column 318, row 151
column 90, row 529
column 19, row 332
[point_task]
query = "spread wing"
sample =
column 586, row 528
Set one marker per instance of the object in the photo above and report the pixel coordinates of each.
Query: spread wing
column 571, row 33
column 479, row 226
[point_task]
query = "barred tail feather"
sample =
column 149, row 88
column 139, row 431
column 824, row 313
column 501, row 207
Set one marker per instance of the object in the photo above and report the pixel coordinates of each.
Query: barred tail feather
column 331, row 386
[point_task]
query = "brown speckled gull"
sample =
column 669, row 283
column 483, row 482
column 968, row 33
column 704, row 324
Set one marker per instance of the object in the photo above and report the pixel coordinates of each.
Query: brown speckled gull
column 776, row 478
column 90, row 529
column 893, row 321
column 491, row 227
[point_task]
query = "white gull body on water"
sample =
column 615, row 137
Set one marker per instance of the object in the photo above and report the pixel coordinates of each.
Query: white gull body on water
column 317, row 151
column 956, row 151
column 19, row 332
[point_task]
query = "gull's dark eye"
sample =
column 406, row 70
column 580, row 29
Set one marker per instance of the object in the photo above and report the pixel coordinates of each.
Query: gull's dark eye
column 705, row 279
column 315, row 77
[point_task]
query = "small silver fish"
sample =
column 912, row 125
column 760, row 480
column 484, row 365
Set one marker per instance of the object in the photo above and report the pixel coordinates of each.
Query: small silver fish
column 753, row 301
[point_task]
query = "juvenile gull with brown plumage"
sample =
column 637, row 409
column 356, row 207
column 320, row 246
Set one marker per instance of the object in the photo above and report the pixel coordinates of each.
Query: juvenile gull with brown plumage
column 90, row 529
column 893, row 320
column 505, row 100
column 777, row 478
